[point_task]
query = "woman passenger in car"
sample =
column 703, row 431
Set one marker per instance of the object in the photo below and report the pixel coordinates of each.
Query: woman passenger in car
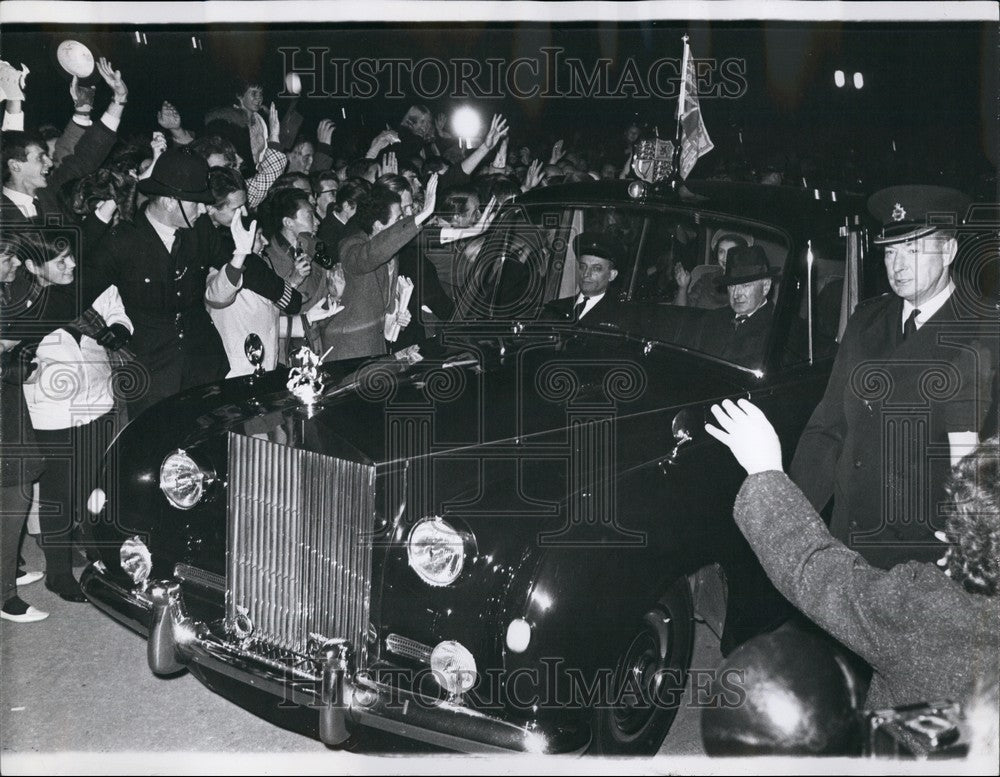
column 429, row 304
column 701, row 291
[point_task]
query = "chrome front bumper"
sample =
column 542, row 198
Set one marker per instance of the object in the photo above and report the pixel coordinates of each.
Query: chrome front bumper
column 343, row 697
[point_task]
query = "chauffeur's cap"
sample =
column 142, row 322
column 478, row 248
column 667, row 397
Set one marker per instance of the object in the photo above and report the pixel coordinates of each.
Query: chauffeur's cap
column 596, row 244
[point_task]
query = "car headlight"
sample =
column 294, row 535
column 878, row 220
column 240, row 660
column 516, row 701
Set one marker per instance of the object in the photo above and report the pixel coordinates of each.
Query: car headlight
column 182, row 481
column 436, row 551
column 136, row 560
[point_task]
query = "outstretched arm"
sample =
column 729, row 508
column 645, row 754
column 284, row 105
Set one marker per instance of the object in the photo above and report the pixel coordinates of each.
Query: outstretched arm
column 834, row 586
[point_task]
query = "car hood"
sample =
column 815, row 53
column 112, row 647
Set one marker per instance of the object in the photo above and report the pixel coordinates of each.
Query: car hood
column 480, row 392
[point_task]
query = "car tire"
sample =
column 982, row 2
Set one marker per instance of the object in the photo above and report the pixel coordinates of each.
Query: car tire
column 655, row 658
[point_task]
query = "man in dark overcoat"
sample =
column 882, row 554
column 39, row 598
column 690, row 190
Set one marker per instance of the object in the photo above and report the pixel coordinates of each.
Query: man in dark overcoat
column 909, row 390
column 738, row 332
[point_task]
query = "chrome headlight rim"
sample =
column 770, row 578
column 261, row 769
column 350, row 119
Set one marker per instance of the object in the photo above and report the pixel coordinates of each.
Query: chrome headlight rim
column 463, row 546
column 204, row 477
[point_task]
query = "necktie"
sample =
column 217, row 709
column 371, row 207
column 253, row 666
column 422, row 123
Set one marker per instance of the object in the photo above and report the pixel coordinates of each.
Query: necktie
column 578, row 310
column 911, row 324
column 739, row 320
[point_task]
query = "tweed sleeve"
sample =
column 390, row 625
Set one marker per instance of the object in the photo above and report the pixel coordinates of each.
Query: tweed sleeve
column 361, row 256
column 868, row 609
column 67, row 141
column 88, row 155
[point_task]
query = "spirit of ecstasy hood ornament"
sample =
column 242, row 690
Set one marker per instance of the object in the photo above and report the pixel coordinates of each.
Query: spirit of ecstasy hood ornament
column 304, row 379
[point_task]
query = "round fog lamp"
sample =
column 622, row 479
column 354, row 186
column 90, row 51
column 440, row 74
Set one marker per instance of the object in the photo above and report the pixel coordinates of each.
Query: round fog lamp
column 436, row 551
column 182, row 481
column 453, row 666
column 518, row 635
column 136, row 560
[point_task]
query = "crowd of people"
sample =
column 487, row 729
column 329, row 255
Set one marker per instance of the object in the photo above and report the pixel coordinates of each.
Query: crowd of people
column 132, row 270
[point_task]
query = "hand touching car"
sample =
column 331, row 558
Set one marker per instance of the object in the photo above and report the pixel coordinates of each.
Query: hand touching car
column 746, row 431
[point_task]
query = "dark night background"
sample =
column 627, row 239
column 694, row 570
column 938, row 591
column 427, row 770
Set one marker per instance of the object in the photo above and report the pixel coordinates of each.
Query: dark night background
column 931, row 87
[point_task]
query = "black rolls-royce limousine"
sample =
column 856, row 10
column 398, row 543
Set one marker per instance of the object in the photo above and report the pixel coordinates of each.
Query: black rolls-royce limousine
column 489, row 542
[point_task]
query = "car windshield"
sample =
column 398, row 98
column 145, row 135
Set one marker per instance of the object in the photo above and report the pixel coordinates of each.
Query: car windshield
column 668, row 286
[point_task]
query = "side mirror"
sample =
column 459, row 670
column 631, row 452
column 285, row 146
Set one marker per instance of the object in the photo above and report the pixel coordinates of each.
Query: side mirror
column 253, row 347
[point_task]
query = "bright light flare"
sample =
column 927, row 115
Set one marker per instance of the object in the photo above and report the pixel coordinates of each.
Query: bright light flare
column 466, row 123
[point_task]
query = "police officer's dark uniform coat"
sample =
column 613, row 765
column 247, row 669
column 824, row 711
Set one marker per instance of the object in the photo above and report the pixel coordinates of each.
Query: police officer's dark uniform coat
column 878, row 441
column 164, row 296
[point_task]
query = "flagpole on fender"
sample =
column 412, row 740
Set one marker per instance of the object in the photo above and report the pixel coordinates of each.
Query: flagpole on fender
column 675, row 174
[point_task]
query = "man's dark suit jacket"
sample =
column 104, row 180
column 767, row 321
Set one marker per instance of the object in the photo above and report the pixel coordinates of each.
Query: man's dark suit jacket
column 88, row 155
column 604, row 310
column 331, row 231
column 878, row 440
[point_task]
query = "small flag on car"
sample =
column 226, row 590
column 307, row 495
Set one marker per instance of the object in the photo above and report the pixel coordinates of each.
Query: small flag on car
column 695, row 142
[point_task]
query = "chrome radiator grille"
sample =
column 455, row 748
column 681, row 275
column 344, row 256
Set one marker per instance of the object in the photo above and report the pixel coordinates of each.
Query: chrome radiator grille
column 299, row 543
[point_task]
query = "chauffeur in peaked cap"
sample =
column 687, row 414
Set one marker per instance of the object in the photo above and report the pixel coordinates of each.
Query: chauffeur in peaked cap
column 597, row 259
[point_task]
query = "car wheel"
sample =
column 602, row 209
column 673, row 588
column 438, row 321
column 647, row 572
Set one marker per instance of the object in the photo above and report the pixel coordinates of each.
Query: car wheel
column 650, row 675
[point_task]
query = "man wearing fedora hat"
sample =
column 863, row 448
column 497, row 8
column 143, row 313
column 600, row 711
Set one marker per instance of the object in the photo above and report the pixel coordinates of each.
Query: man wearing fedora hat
column 738, row 332
column 160, row 264
column 597, row 257
column 909, row 389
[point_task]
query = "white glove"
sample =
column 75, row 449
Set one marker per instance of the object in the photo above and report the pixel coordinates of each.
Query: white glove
column 328, row 307
column 242, row 238
column 748, row 434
